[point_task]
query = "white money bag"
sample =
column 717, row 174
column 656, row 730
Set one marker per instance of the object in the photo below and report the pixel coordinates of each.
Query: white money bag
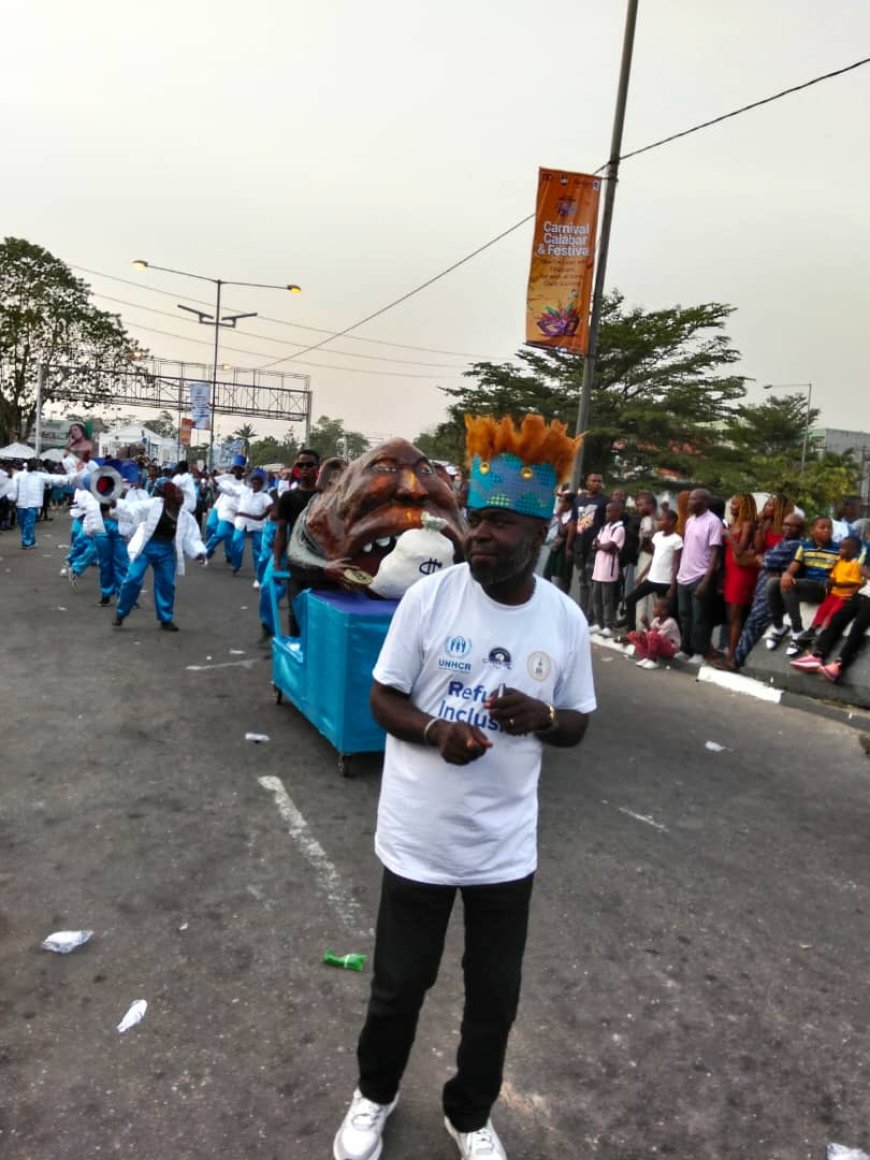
column 418, row 553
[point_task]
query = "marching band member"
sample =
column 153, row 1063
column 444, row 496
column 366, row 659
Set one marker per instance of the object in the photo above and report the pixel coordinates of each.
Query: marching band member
column 164, row 533
column 255, row 506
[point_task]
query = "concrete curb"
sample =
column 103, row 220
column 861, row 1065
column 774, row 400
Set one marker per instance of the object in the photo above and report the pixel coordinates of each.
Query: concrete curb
column 851, row 715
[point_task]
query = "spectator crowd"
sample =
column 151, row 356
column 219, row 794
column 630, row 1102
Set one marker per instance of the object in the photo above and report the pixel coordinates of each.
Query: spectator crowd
column 705, row 580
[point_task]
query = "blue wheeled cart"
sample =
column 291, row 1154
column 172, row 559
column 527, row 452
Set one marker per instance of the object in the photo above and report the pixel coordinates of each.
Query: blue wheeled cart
column 327, row 671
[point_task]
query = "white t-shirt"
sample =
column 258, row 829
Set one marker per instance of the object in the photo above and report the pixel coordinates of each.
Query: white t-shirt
column 661, row 570
column 252, row 503
column 449, row 647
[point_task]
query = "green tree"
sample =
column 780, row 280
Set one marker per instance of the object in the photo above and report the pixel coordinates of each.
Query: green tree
column 247, row 434
column 817, row 489
column 661, row 397
column 46, row 317
column 772, row 428
column 163, row 424
column 272, row 450
column 330, row 437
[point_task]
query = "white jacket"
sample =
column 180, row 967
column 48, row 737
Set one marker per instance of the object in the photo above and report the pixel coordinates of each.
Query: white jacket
column 142, row 517
column 252, row 503
column 30, row 486
column 188, row 486
column 227, row 503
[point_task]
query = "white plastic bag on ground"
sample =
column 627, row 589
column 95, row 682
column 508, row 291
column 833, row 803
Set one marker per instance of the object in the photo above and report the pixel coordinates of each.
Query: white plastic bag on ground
column 64, row 941
column 135, row 1015
column 841, row 1152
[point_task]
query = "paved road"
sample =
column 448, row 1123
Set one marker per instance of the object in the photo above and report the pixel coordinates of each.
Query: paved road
column 696, row 983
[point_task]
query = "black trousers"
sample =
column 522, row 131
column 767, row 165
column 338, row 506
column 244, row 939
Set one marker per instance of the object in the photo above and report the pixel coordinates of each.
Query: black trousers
column 645, row 588
column 855, row 611
column 790, row 602
column 412, row 924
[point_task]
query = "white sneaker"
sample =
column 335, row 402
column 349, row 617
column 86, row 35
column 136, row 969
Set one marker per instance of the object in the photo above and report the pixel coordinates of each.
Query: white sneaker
column 682, row 656
column 607, row 632
column 361, row 1131
column 774, row 635
column 697, row 659
column 630, row 650
column 473, row 1145
column 595, row 629
column 63, row 571
column 649, row 663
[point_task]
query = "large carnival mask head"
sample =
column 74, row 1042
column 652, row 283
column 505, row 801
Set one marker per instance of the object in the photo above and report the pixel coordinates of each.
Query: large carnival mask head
column 384, row 493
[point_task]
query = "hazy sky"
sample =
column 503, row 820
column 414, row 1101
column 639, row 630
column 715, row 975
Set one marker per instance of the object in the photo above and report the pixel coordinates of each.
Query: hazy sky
column 359, row 148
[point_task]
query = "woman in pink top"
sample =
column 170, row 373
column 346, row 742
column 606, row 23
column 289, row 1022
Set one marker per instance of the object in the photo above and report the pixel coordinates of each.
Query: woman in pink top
column 605, row 574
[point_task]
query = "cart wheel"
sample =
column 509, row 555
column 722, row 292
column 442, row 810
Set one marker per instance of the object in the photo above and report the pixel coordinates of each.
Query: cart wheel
column 344, row 765
column 279, row 696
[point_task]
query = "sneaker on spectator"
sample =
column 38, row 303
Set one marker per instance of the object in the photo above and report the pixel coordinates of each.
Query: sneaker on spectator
column 774, row 635
column 649, row 663
column 595, row 629
column 682, row 656
column 606, row 632
column 831, row 672
column 630, row 650
column 360, row 1136
column 477, row 1145
column 808, row 664
column 639, row 664
column 795, row 645
column 697, row 659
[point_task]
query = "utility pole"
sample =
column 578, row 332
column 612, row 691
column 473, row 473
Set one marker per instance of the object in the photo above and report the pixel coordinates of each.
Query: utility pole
column 611, row 178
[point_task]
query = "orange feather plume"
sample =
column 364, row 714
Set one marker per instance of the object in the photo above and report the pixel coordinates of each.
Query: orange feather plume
column 534, row 441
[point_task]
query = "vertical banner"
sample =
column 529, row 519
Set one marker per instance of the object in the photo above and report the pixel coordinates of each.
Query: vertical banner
column 200, row 405
column 184, row 432
column 563, row 260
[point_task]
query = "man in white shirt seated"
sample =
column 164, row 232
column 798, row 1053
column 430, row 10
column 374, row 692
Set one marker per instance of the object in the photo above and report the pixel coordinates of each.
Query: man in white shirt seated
column 483, row 665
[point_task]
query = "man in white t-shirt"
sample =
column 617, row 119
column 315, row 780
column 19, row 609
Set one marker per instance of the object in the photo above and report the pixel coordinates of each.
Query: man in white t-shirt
column 661, row 577
column 484, row 664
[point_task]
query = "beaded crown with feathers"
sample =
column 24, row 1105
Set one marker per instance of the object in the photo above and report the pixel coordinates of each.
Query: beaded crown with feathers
column 517, row 468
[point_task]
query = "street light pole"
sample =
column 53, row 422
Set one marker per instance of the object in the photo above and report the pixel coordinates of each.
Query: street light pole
column 611, row 178
column 808, row 387
column 217, row 322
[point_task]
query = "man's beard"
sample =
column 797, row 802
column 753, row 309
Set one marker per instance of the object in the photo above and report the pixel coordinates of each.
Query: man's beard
column 506, row 566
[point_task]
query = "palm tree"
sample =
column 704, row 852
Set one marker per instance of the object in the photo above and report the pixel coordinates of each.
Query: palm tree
column 246, row 433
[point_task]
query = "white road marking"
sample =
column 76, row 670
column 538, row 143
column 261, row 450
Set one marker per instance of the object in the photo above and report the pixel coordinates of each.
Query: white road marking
column 248, row 664
column 738, row 683
column 328, row 878
column 647, row 821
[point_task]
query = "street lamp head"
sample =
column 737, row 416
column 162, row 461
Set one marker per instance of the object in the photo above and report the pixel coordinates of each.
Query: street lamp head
column 140, row 264
column 294, row 289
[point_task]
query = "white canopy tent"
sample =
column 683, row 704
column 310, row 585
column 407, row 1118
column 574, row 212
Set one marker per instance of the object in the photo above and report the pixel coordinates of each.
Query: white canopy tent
column 17, row 451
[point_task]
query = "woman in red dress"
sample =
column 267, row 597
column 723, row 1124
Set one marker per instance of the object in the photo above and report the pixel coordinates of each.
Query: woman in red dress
column 768, row 531
column 740, row 574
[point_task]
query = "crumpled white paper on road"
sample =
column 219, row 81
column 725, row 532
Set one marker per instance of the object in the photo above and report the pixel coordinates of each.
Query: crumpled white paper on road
column 135, row 1015
column 64, row 941
column 841, row 1152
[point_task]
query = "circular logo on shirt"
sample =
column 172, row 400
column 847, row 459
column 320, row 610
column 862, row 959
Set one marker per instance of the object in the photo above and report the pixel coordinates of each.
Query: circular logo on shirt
column 539, row 666
column 457, row 646
column 499, row 658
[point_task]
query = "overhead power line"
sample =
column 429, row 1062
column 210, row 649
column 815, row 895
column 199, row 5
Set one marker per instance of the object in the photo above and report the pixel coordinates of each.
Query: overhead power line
column 277, row 321
column 517, row 225
column 282, row 341
column 319, row 366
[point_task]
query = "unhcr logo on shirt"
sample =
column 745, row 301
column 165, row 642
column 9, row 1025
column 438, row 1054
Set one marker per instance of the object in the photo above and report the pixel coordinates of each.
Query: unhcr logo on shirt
column 457, row 648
